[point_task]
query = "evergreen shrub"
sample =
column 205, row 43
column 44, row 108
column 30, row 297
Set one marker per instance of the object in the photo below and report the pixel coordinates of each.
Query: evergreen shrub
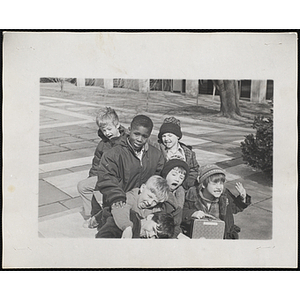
column 257, row 150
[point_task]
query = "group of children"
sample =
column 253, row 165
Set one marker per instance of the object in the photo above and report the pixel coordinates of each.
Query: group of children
column 140, row 189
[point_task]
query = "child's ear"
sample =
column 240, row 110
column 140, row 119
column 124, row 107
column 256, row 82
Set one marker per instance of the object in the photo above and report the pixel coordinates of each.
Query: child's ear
column 142, row 187
column 149, row 217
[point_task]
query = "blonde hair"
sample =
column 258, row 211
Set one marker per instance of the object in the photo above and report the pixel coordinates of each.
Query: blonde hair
column 159, row 187
column 107, row 115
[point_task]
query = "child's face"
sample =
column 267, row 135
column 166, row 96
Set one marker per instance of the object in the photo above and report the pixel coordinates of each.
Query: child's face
column 215, row 188
column 148, row 228
column 175, row 178
column 110, row 130
column 169, row 140
column 138, row 137
column 147, row 199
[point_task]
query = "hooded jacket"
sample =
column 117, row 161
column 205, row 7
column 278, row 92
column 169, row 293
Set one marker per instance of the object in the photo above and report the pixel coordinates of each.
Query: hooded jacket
column 229, row 204
column 104, row 145
column 121, row 170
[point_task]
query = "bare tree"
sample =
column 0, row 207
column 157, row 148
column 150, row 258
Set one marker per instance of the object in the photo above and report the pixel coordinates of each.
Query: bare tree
column 59, row 80
column 229, row 96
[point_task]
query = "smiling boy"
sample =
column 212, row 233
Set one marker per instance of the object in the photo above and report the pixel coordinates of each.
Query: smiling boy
column 169, row 140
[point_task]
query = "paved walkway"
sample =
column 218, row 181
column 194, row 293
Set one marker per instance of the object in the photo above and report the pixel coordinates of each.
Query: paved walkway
column 68, row 137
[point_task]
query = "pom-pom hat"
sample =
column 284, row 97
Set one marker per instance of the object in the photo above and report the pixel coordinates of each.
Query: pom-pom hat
column 171, row 164
column 170, row 125
column 208, row 170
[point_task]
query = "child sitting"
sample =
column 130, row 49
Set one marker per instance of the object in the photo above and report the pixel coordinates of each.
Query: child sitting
column 109, row 131
column 157, row 225
column 129, row 164
column 168, row 138
column 211, row 198
column 176, row 171
column 149, row 198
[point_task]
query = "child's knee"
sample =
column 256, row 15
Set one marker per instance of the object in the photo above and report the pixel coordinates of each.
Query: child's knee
column 81, row 186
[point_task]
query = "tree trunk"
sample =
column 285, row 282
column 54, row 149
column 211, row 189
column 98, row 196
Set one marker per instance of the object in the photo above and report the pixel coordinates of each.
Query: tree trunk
column 229, row 96
column 62, row 81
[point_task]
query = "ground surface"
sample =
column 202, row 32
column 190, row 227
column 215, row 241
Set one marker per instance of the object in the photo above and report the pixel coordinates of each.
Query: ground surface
column 68, row 137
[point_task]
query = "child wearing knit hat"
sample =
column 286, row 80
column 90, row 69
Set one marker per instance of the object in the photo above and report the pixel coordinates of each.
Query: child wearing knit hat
column 168, row 138
column 210, row 198
column 175, row 171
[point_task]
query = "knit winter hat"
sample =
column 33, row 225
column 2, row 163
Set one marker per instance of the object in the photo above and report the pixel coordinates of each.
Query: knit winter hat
column 208, row 170
column 171, row 164
column 170, row 125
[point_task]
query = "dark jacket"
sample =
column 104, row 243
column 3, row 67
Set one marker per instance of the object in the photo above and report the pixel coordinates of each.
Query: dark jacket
column 175, row 212
column 104, row 145
column 121, row 170
column 229, row 204
column 192, row 162
column 107, row 227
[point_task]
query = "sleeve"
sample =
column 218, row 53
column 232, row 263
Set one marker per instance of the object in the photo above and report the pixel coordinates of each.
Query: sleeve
column 194, row 169
column 177, row 215
column 109, row 179
column 160, row 163
column 96, row 160
column 237, row 203
column 121, row 216
column 189, row 204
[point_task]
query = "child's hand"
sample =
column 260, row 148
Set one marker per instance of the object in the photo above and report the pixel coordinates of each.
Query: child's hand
column 241, row 189
column 119, row 204
column 127, row 233
column 199, row 214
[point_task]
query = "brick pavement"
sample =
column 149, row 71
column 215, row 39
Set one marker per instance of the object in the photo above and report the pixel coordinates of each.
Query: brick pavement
column 68, row 137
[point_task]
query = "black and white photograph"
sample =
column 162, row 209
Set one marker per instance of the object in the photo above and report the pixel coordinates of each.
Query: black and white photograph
column 193, row 131
column 112, row 139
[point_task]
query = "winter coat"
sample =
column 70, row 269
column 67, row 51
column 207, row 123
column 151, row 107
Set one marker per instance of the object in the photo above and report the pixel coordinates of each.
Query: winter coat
column 121, row 170
column 192, row 162
column 229, row 204
column 104, row 145
column 107, row 227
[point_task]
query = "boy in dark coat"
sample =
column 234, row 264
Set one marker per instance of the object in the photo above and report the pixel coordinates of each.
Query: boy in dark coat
column 129, row 164
column 157, row 225
column 211, row 198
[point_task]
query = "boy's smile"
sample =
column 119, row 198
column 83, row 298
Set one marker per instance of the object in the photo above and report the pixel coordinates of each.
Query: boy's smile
column 169, row 140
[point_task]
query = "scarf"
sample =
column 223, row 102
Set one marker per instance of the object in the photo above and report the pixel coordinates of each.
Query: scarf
column 214, row 205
